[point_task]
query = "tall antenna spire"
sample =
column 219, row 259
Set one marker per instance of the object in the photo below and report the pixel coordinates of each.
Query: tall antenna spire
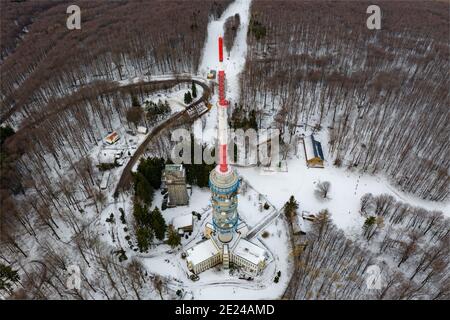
column 222, row 114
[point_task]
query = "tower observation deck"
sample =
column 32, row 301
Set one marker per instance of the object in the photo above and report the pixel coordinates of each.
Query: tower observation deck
column 223, row 180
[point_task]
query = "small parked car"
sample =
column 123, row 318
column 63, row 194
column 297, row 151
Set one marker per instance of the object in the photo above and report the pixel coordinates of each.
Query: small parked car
column 194, row 277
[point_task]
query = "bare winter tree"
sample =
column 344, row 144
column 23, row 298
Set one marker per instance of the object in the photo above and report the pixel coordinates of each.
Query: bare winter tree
column 322, row 190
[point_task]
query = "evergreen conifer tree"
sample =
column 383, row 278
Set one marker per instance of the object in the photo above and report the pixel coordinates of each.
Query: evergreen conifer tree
column 158, row 224
column 8, row 277
column 194, row 90
column 174, row 238
column 290, row 207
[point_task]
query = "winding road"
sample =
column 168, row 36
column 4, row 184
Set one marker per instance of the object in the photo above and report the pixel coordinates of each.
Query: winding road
column 190, row 114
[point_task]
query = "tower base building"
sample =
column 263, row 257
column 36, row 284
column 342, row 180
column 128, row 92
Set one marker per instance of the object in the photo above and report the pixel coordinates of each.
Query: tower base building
column 240, row 253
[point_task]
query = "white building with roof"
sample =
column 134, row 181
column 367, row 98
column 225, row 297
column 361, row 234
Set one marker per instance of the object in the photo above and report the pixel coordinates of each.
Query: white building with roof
column 183, row 223
column 300, row 225
column 112, row 138
column 241, row 253
column 242, row 229
column 249, row 257
column 313, row 152
column 142, row 130
column 107, row 156
column 105, row 180
column 203, row 256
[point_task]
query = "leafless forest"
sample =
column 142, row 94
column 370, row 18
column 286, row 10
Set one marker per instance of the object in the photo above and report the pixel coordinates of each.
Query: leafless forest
column 118, row 39
column 410, row 245
column 383, row 94
column 58, row 91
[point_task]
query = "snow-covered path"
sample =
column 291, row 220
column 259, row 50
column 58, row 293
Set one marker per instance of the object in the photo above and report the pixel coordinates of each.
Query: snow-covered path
column 232, row 64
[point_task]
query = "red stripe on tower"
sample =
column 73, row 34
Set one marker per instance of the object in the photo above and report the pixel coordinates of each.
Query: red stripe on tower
column 222, row 100
column 223, row 158
column 220, row 49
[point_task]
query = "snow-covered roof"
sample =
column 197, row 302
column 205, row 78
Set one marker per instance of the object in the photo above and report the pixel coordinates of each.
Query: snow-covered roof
column 242, row 228
column 182, row 221
column 173, row 167
column 201, row 252
column 105, row 178
column 241, row 225
column 107, row 156
column 141, row 129
column 174, row 170
column 249, row 251
column 112, row 137
column 313, row 148
column 309, row 148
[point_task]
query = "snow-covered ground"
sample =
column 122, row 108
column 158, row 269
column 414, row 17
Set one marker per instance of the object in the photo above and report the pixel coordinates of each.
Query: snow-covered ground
column 175, row 96
column 218, row 284
column 166, row 262
column 346, row 190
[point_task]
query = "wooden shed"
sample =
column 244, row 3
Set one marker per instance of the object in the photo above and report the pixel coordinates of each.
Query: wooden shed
column 313, row 152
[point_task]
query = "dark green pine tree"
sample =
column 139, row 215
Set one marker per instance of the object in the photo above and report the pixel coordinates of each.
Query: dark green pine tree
column 187, row 97
column 144, row 237
column 290, row 207
column 252, row 123
column 135, row 101
column 158, row 224
column 5, row 132
column 141, row 214
column 166, row 108
column 174, row 238
column 152, row 169
column 194, row 90
column 8, row 277
column 368, row 225
column 143, row 188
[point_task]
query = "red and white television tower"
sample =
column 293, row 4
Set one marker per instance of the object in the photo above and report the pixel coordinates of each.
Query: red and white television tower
column 223, row 180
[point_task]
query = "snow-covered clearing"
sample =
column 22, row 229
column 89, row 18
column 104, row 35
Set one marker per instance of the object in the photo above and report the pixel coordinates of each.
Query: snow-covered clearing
column 175, row 96
column 164, row 261
column 218, row 284
column 346, row 190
